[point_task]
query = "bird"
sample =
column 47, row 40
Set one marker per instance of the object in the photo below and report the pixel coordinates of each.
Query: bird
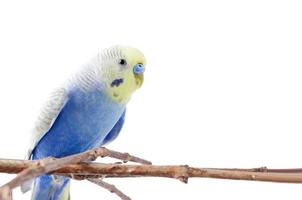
column 85, row 112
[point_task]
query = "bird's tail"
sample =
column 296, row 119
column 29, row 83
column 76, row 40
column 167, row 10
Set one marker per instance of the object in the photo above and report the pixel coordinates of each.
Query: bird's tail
column 51, row 188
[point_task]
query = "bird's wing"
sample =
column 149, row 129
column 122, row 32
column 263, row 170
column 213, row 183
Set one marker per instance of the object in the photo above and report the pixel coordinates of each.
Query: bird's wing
column 45, row 120
column 47, row 117
column 116, row 129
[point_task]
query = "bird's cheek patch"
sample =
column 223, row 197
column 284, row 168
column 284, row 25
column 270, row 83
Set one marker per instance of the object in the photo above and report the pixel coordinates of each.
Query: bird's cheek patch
column 117, row 82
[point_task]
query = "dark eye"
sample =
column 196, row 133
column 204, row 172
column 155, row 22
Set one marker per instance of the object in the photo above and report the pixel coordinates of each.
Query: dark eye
column 122, row 62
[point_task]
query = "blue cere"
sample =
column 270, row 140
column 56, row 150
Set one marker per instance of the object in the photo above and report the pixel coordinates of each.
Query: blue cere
column 138, row 69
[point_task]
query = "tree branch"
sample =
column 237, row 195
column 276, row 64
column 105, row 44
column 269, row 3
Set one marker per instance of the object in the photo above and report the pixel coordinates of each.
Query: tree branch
column 95, row 170
column 79, row 166
column 109, row 187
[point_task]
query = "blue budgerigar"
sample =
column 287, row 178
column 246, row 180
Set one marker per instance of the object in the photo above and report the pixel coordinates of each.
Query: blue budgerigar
column 86, row 112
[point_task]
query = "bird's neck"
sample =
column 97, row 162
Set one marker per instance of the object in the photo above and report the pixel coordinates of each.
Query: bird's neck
column 86, row 78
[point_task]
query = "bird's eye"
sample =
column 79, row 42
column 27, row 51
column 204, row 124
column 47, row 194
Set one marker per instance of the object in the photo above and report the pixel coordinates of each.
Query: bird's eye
column 122, row 62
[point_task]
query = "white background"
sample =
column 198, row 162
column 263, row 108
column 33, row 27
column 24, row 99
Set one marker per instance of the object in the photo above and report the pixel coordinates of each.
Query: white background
column 223, row 86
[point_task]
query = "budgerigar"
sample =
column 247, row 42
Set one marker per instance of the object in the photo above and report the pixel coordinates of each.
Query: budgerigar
column 86, row 112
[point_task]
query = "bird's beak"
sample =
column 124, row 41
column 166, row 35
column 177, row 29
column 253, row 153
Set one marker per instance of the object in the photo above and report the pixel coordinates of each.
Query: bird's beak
column 138, row 71
column 139, row 79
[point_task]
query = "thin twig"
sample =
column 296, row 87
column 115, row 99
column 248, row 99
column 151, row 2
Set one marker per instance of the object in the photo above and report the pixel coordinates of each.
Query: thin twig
column 109, row 187
column 125, row 157
column 263, row 169
column 6, row 194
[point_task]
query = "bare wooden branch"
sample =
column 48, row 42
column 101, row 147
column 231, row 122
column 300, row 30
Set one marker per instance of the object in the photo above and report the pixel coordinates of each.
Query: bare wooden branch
column 6, row 194
column 125, row 157
column 263, row 169
column 79, row 166
column 109, row 187
column 181, row 172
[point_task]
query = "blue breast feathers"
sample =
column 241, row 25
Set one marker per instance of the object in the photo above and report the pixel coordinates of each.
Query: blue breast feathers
column 89, row 119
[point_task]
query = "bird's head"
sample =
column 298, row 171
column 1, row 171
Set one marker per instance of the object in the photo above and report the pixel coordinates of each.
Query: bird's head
column 122, row 71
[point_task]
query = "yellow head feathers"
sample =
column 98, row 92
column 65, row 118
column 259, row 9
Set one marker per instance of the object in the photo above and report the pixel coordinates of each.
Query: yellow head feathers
column 122, row 71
